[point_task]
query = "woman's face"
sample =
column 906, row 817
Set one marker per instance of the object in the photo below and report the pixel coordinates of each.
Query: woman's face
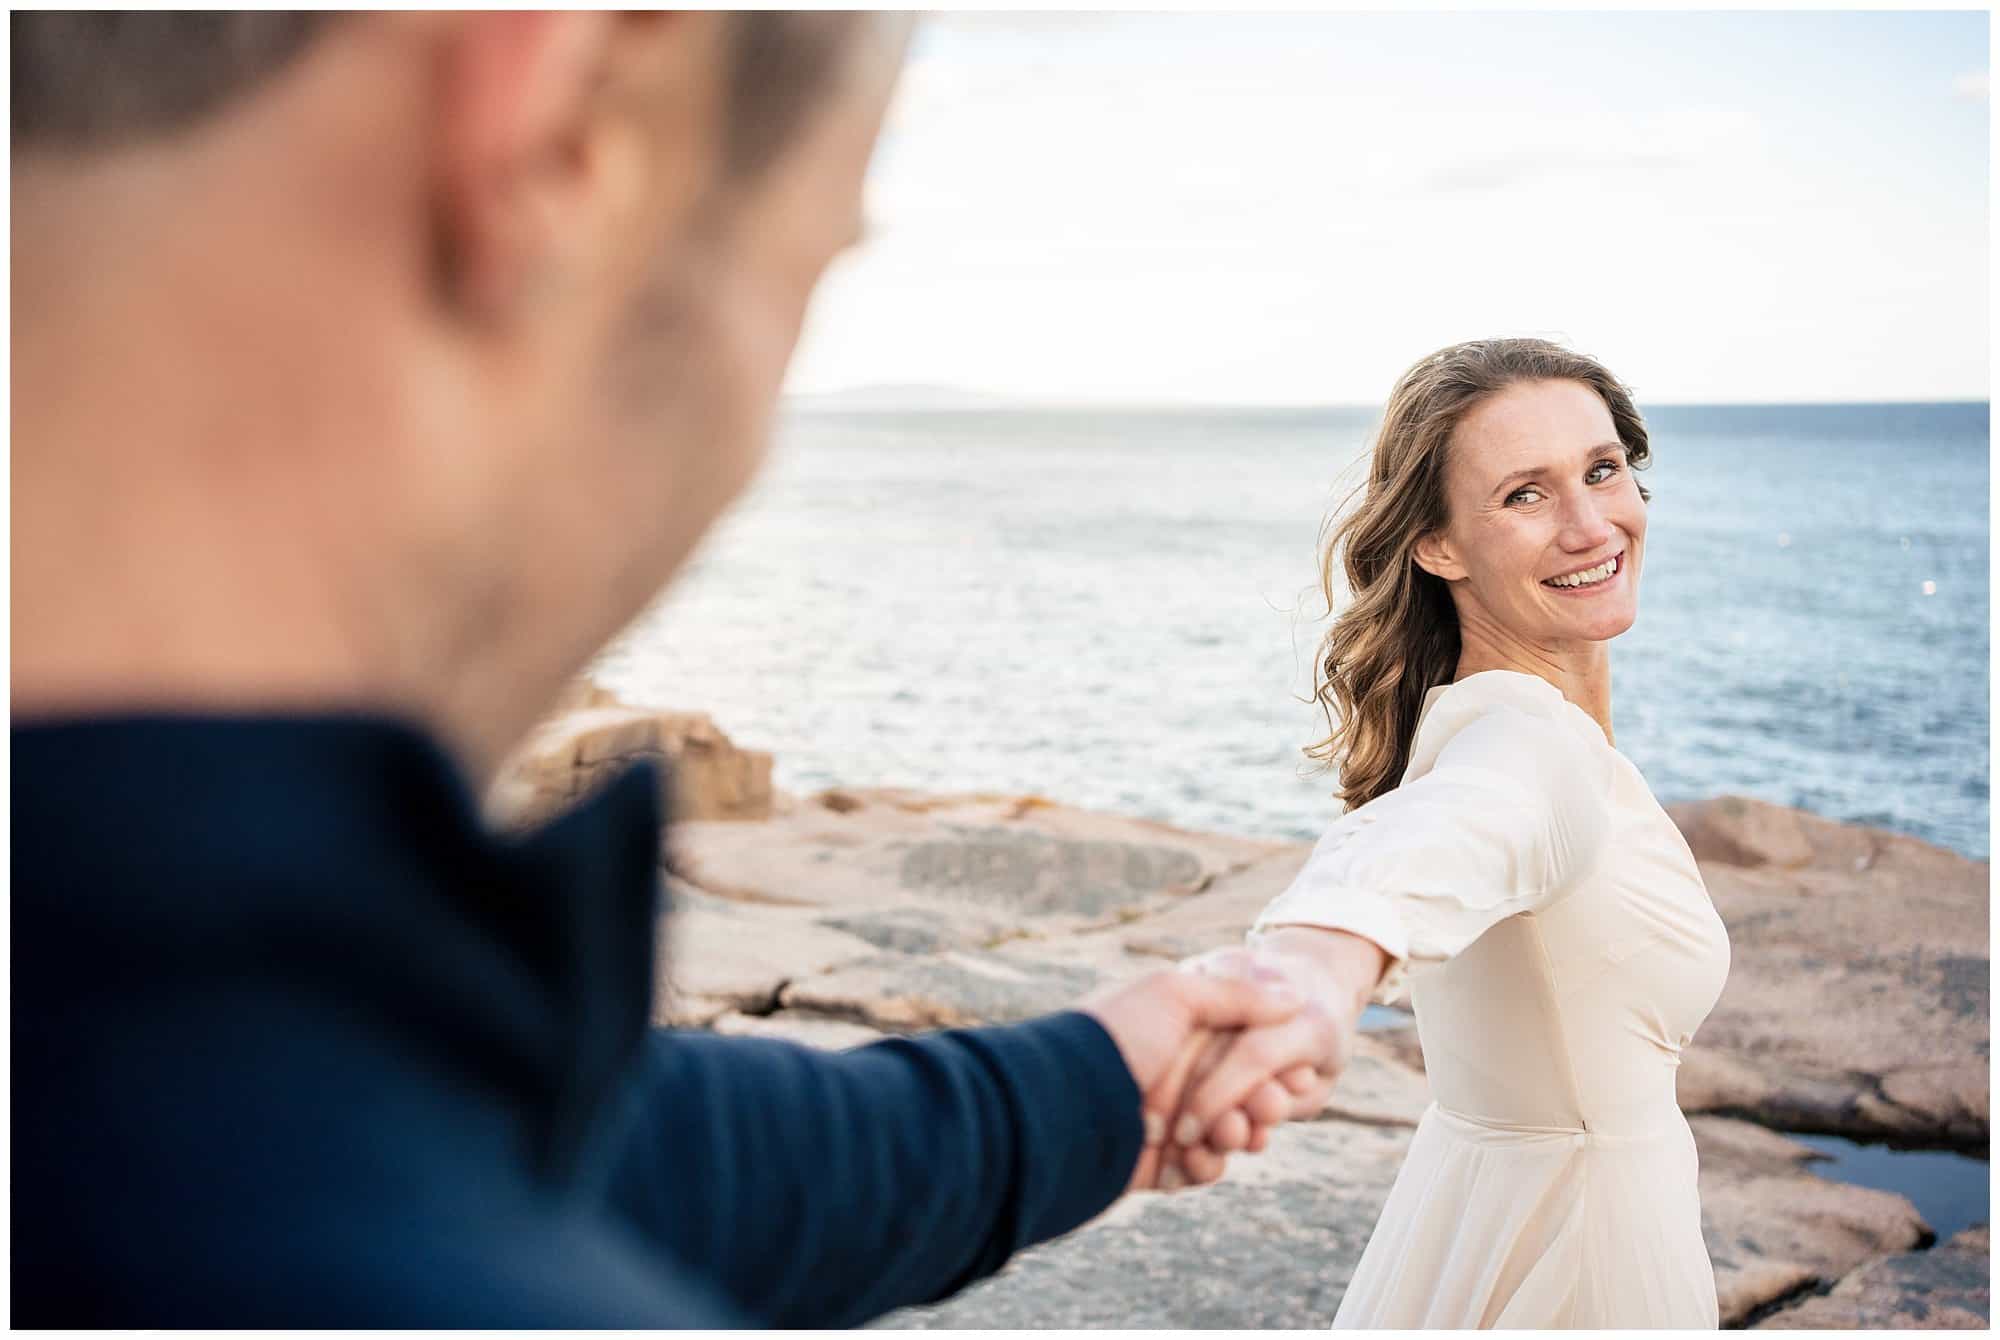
column 1547, row 530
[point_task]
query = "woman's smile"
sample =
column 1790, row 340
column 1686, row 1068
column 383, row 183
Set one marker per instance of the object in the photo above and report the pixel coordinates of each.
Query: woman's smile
column 1591, row 581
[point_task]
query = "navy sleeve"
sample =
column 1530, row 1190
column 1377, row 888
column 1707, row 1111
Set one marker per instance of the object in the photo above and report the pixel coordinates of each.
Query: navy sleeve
column 822, row 1189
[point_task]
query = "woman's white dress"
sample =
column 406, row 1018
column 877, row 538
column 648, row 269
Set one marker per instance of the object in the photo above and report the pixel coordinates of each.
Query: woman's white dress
column 1561, row 950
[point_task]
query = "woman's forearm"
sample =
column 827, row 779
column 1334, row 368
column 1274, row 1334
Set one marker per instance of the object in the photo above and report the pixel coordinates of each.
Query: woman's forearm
column 1354, row 962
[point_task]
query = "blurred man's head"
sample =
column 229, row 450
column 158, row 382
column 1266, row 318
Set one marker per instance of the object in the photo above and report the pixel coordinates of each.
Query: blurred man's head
column 397, row 359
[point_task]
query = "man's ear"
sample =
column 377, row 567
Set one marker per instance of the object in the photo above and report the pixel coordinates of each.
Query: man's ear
column 549, row 167
column 1434, row 554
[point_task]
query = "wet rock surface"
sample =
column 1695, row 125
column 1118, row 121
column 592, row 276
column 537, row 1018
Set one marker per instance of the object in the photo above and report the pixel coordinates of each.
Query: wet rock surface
column 1774, row 1227
column 1946, row 1288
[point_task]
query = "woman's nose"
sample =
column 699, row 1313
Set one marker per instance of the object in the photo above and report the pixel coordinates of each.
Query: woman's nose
column 1584, row 526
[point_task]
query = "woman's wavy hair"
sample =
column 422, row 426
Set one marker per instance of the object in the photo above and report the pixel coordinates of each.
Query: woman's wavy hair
column 1398, row 636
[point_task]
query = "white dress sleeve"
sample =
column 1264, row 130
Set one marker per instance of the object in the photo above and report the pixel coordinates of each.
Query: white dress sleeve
column 1512, row 811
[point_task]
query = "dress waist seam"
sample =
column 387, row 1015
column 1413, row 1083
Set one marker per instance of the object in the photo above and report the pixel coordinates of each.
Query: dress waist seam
column 1579, row 1135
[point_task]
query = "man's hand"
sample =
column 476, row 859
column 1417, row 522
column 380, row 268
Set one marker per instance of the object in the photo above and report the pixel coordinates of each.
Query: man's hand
column 1157, row 1022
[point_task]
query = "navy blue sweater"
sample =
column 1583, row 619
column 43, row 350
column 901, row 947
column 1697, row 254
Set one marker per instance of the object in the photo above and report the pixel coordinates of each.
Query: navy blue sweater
column 298, row 1042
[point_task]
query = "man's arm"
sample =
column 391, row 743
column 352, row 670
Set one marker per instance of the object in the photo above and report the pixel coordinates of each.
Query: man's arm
column 822, row 1189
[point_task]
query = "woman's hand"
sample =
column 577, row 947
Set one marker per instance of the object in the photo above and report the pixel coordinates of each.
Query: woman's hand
column 1234, row 1086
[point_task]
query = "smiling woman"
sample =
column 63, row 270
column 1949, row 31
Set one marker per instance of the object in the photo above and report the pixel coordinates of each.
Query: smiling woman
column 1502, row 473
column 1520, row 878
column 1546, row 531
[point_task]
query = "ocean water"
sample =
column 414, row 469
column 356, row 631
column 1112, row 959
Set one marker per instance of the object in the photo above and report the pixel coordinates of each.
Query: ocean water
column 1119, row 609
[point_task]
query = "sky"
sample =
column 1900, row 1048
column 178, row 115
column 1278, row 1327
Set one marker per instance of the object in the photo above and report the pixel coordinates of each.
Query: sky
column 1291, row 209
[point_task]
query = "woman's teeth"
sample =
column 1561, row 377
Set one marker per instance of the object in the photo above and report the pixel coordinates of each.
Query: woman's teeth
column 1589, row 576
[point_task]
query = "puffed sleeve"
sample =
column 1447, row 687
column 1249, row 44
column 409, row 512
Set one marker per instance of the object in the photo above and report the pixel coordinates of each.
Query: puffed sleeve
column 1511, row 810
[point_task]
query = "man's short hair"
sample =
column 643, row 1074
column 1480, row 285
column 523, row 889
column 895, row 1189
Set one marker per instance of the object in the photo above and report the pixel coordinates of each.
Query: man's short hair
column 89, row 80
column 92, row 79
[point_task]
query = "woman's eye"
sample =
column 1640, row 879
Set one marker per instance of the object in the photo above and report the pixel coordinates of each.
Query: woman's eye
column 1523, row 496
column 1602, row 471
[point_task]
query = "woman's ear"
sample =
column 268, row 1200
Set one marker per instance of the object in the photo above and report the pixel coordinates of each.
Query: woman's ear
column 1434, row 554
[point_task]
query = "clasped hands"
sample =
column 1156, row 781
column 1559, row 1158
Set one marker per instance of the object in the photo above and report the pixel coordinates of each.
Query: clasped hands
column 1235, row 1042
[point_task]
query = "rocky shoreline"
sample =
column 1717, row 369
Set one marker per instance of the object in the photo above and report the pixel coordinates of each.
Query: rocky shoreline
column 1857, row 1005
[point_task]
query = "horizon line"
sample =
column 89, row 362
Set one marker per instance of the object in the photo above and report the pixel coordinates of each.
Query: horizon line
column 987, row 400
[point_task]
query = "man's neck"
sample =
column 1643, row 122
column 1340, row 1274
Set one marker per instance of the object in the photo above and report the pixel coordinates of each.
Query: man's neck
column 143, row 590
column 178, row 545
column 174, row 623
